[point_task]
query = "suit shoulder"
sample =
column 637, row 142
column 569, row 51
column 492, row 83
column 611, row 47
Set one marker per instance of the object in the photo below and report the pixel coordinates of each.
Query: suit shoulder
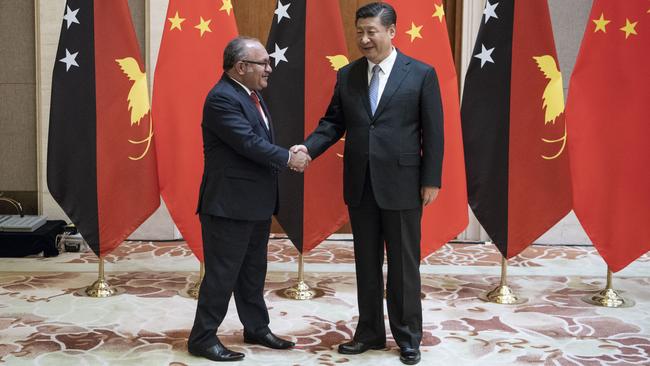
column 419, row 65
column 351, row 66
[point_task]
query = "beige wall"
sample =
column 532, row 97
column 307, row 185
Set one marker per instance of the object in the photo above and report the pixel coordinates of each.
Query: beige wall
column 18, row 177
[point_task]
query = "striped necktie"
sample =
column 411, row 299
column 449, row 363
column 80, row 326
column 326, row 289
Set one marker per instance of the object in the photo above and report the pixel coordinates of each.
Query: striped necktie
column 373, row 88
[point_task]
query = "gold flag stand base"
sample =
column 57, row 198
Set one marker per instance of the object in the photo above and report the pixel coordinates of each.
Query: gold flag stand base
column 193, row 291
column 502, row 294
column 100, row 288
column 301, row 290
column 608, row 297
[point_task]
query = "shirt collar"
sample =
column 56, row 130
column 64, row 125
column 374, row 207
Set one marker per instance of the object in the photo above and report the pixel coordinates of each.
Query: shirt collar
column 386, row 65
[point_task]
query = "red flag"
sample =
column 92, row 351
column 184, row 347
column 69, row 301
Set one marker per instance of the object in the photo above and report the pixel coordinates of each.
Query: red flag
column 422, row 34
column 608, row 121
column 325, row 52
column 101, row 158
column 189, row 64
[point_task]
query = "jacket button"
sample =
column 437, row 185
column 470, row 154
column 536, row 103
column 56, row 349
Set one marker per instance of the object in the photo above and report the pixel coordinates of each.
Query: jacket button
column 372, row 127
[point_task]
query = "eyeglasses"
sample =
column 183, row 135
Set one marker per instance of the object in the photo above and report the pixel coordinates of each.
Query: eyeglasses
column 261, row 63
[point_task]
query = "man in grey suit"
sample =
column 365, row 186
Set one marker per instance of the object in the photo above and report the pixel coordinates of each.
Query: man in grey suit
column 238, row 195
column 389, row 105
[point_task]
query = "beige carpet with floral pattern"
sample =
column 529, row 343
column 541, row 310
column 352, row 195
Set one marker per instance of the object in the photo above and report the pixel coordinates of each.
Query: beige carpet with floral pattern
column 43, row 322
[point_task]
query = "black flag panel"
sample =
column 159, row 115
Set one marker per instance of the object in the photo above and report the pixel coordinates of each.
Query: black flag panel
column 284, row 97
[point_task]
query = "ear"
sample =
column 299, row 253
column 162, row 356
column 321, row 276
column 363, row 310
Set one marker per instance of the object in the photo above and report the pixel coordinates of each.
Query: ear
column 391, row 31
column 240, row 68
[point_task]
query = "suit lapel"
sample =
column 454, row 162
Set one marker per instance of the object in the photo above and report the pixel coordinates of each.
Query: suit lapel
column 250, row 105
column 268, row 131
column 397, row 75
column 360, row 82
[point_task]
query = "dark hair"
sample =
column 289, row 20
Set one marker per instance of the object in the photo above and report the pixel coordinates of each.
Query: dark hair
column 384, row 11
column 236, row 51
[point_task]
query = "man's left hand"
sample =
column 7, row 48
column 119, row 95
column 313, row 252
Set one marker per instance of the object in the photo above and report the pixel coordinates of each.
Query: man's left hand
column 428, row 194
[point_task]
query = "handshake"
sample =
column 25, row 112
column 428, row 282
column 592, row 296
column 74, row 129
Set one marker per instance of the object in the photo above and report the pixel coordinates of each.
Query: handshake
column 299, row 158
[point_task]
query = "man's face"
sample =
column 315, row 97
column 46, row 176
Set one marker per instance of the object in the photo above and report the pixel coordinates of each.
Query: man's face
column 256, row 67
column 373, row 39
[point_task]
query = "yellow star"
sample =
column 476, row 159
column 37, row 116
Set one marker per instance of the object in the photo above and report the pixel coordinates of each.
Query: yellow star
column 629, row 28
column 414, row 32
column 440, row 12
column 600, row 23
column 204, row 26
column 176, row 22
column 227, row 6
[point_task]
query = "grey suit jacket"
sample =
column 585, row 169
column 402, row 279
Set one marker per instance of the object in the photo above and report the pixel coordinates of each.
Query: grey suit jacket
column 401, row 144
column 240, row 176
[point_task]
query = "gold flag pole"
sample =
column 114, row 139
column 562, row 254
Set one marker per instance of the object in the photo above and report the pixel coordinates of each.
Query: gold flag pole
column 502, row 294
column 101, row 287
column 193, row 291
column 301, row 290
column 608, row 297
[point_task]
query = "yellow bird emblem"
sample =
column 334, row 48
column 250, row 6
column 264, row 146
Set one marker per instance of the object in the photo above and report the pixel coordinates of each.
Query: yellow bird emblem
column 553, row 97
column 338, row 61
column 138, row 97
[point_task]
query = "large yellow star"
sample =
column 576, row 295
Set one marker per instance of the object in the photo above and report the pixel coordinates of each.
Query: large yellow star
column 440, row 12
column 176, row 22
column 227, row 6
column 204, row 26
column 629, row 28
column 414, row 32
column 601, row 23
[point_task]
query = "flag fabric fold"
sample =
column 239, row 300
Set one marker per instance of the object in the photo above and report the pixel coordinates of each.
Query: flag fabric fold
column 514, row 133
column 422, row 34
column 307, row 46
column 189, row 63
column 607, row 119
column 101, row 164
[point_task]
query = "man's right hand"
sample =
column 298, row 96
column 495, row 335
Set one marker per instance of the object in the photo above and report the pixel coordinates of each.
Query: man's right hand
column 299, row 160
column 296, row 148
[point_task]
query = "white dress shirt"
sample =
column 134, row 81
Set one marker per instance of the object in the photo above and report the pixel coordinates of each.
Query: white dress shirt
column 386, row 66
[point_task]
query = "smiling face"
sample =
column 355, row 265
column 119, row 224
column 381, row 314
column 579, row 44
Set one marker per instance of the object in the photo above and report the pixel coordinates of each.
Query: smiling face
column 254, row 71
column 374, row 39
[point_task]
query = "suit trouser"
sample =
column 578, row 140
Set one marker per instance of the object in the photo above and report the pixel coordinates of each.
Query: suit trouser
column 235, row 255
column 400, row 230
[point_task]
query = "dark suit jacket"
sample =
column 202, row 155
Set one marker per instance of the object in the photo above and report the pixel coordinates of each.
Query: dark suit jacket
column 241, row 162
column 402, row 143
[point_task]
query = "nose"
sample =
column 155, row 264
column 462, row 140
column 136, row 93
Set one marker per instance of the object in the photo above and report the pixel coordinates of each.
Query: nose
column 268, row 68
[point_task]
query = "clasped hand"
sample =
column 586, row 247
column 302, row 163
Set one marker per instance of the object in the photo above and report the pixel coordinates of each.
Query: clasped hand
column 299, row 159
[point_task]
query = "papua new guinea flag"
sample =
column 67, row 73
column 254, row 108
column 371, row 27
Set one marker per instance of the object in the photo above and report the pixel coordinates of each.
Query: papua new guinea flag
column 514, row 133
column 101, row 162
column 307, row 46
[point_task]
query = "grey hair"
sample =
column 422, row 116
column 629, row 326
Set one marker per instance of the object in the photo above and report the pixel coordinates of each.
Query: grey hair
column 235, row 51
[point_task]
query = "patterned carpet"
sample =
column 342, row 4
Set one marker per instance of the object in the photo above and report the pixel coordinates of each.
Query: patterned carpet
column 42, row 321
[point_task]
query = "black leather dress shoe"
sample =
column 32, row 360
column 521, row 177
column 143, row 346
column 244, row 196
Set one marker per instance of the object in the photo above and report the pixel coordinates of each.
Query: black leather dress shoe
column 218, row 352
column 269, row 340
column 355, row 347
column 409, row 356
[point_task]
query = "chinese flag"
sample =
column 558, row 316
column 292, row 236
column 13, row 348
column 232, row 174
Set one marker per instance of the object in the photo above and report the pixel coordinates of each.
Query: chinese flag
column 515, row 137
column 189, row 64
column 307, row 46
column 608, row 118
column 101, row 163
column 422, row 34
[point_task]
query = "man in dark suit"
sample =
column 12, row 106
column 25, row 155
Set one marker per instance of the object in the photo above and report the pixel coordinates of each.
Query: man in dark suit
column 389, row 105
column 238, row 195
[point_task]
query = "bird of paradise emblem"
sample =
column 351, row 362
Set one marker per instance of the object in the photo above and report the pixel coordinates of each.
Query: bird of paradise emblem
column 552, row 99
column 138, row 99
